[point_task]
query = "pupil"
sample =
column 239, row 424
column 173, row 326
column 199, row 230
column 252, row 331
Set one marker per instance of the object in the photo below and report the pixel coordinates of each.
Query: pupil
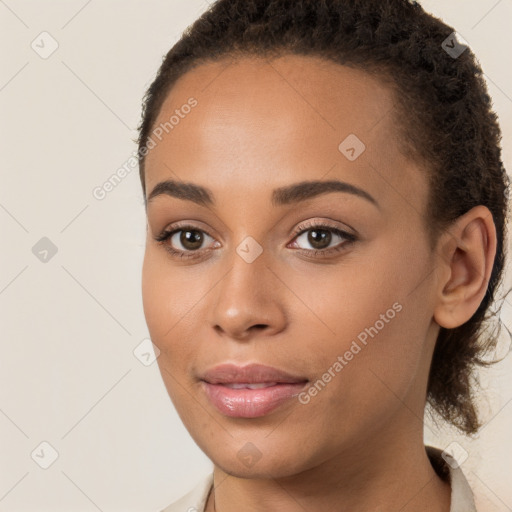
column 324, row 235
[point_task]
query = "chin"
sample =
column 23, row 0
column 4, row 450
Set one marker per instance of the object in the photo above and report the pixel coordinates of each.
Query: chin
column 256, row 459
column 260, row 469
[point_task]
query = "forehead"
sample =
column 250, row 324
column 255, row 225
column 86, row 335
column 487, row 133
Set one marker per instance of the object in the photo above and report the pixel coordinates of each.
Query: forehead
column 289, row 78
column 280, row 120
column 307, row 95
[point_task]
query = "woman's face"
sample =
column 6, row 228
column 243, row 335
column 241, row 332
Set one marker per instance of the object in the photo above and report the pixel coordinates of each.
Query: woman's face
column 344, row 320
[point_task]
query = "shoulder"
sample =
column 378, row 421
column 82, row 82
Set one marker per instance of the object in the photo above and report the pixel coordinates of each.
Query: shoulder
column 195, row 500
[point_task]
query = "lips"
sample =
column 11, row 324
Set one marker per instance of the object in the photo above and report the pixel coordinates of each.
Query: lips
column 249, row 391
column 251, row 373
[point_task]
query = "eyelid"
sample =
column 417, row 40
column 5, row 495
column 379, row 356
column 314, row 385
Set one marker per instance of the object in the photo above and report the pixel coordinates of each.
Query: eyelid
column 324, row 223
column 183, row 226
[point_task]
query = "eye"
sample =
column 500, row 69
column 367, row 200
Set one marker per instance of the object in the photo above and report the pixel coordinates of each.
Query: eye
column 190, row 238
column 321, row 237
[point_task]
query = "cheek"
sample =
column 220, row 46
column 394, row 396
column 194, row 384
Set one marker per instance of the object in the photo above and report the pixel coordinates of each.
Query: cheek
column 374, row 317
column 169, row 295
column 164, row 304
column 363, row 380
column 173, row 300
column 155, row 297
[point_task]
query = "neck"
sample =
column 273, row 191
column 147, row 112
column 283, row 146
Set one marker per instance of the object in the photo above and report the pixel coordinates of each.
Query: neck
column 393, row 473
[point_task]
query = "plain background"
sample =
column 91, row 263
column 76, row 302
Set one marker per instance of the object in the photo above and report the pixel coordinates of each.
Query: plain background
column 70, row 325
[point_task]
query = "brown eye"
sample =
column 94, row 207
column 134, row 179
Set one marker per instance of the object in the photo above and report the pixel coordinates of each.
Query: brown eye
column 191, row 239
column 184, row 242
column 319, row 238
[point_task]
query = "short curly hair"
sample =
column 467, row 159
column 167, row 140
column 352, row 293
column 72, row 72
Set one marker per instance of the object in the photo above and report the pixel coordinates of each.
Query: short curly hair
column 444, row 117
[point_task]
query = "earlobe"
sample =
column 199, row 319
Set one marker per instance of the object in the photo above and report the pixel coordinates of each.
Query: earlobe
column 465, row 260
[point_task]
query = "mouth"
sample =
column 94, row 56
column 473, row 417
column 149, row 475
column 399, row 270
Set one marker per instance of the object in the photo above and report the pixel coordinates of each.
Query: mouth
column 248, row 385
column 250, row 391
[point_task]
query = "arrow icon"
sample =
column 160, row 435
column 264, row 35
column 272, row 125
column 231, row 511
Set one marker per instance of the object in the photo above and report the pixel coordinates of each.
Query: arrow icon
column 44, row 455
column 44, row 250
column 249, row 249
column 146, row 352
column 249, row 454
column 351, row 147
column 44, row 44
column 454, row 45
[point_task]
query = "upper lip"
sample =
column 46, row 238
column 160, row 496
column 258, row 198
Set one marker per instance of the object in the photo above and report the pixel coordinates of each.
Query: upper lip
column 251, row 374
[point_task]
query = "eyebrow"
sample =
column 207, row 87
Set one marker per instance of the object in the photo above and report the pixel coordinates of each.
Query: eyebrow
column 289, row 194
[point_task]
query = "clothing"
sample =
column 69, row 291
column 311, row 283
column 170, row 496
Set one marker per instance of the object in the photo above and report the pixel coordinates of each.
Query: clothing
column 461, row 495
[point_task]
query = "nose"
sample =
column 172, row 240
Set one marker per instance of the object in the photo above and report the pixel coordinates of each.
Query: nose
column 248, row 301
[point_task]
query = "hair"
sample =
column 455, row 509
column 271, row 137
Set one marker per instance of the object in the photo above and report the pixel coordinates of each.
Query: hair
column 444, row 120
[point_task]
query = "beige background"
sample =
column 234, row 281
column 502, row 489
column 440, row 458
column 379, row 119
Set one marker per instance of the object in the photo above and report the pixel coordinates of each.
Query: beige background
column 70, row 325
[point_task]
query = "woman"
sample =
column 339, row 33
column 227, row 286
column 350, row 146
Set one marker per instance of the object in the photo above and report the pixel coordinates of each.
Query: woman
column 326, row 208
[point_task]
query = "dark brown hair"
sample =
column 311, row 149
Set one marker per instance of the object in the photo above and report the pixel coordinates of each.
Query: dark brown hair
column 444, row 117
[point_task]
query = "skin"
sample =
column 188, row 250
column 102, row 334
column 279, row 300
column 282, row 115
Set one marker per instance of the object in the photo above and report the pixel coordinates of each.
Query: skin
column 259, row 125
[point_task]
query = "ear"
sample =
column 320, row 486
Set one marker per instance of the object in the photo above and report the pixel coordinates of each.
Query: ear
column 465, row 260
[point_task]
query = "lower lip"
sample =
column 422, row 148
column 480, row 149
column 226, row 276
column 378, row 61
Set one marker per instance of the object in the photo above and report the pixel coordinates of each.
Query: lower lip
column 250, row 403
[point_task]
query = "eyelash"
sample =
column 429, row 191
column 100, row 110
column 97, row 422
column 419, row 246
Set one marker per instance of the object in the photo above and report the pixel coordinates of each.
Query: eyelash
column 349, row 238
